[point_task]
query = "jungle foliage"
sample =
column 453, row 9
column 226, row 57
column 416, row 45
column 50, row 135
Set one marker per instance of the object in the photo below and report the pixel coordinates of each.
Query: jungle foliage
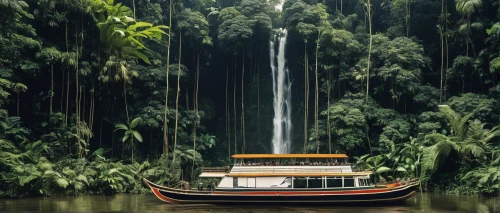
column 95, row 94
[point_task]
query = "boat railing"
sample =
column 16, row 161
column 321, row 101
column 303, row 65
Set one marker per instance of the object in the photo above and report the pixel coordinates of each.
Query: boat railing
column 215, row 169
column 289, row 170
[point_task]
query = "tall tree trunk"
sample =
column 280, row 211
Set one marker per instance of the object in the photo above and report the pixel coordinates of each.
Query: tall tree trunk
column 407, row 17
column 369, row 141
column 242, row 102
column 234, row 108
column 100, row 135
column 62, row 91
column 77, row 92
column 132, row 145
column 328, row 116
column 228, row 134
column 82, row 103
column 18, row 115
column 442, row 54
column 195, row 124
column 133, row 6
column 165, row 117
column 51, row 86
column 369, row 50
column 258, row 98
column 316, row 98
column 446, row 70
column 177, row 97
column 306, row 97
column 67, row 88
column 125, row 100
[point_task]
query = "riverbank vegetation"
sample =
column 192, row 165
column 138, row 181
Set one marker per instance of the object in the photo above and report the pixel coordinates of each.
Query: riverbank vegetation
column 95, row 94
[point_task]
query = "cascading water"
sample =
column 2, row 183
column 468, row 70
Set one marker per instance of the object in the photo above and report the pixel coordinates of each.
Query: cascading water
column 282, row 96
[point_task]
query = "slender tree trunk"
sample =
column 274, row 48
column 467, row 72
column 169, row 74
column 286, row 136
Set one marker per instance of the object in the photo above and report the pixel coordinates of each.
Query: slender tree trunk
column 177, row 97
column 369, row 141
column 133, row 6
column 446, row 70
column 100, row 136
column 18, row 115
column 228, row 135
column 92, row 112
column 234, row 108
column 51, row 86
column 195, row 124
column 328, row 117
column 258, row 99
column 125, row 99
column 306, row 97
column 242, row 102
column 67, row 88
column 165, row 117
column 316, row 99
column 62, row 91
column 442, row 54
column 77, row 94
column 132, row 145
column 82, row 102
column 369, row 50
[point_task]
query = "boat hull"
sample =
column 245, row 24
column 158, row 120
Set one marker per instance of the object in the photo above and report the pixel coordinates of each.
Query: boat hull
column 378, row 195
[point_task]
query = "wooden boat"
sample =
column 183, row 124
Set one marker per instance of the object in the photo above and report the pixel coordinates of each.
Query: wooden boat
column 288, row 178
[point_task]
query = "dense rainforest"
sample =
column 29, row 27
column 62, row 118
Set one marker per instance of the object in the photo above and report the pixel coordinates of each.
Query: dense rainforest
column 95, row 94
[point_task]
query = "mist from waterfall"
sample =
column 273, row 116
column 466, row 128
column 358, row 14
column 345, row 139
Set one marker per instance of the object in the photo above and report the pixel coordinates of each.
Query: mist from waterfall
column 282, row 102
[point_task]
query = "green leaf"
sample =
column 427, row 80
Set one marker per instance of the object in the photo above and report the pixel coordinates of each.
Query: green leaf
column 135, row 122
column 82, row 178
column 61, row 182
column 383, row 169
column 136, row 53
column 139, row 24
column 400, row 169
column 125, row 137
column 121, row 127
column 137, row 135
column 99, row 151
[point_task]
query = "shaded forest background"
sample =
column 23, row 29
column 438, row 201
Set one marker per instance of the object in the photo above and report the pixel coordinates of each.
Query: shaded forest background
column 95, row 94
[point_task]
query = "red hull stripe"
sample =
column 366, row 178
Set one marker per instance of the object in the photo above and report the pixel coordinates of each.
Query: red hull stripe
column 161, row 197
column 303, row 192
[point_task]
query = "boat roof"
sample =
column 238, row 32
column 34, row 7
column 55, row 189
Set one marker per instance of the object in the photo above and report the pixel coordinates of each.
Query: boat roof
column 213, row 174
column 247, row 156
column 300, row 174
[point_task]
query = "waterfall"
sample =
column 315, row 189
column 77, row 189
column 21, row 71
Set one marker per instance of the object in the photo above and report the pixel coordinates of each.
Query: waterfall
column 282, row 96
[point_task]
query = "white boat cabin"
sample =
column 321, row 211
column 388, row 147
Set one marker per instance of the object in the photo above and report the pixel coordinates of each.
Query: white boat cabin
column 290, row 171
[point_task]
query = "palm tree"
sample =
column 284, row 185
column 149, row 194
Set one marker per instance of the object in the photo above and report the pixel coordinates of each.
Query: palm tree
column 467, row 8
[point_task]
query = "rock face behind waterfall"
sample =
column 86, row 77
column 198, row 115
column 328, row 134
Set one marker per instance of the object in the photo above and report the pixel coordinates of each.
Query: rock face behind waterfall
column 282, row 102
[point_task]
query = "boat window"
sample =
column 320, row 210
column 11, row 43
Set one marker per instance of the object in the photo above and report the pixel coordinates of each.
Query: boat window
column 364, row 182
column 334, row 182
column 300, row 182
column 315, row 183
column 348, row 182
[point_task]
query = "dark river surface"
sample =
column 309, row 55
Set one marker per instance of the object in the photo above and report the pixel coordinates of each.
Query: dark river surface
column 426, row 202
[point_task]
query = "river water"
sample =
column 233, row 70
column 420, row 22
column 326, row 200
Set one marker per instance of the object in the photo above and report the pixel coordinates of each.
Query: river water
column 426, row 202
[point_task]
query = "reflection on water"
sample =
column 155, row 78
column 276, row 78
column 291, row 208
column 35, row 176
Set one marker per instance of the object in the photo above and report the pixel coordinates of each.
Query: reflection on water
column 426, row 202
